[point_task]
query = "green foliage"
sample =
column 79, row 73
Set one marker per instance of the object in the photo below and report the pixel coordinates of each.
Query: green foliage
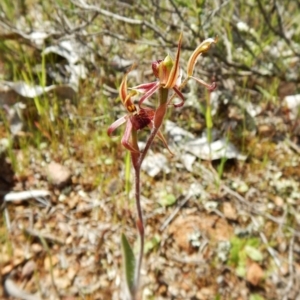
column 256, row 297
column 152, row 243
column 128, row 263
column 166, row 199
column 241, row 249
column 253, row 253
column 243, row 56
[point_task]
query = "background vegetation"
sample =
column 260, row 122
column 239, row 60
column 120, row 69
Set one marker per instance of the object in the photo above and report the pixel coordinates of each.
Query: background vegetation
column 218, row 229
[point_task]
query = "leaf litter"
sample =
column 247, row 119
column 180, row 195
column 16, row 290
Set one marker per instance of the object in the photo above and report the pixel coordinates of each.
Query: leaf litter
column 72, row 239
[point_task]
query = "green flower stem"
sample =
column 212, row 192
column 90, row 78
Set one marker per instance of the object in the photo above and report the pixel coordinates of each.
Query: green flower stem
column 158, row 119
column 209, row 123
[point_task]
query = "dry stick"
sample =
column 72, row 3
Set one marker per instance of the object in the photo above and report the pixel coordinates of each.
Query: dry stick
column 44, row 243
column 82, row 4
column 174, row 213
column 271, row 251
column 13, row 290
column 289, row 285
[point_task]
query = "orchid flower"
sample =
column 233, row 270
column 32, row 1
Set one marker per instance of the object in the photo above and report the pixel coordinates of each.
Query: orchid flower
column 136, row 119
column 168, row 73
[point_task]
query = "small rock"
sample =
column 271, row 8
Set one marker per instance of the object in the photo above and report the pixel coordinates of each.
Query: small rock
column 58, row 174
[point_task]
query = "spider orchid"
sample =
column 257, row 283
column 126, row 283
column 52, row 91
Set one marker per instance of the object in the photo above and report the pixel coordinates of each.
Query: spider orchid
column 136, row 119
column 168, row 73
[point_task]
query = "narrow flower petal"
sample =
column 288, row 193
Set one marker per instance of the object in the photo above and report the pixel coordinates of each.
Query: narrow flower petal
column 149, row 93
column 161, row 137
column 126, row 98
column 210, row 87
column 143, row 88
column 125, row 139
column 203, row 47
column 123, row 89
column 116, row 124
column 175, row 69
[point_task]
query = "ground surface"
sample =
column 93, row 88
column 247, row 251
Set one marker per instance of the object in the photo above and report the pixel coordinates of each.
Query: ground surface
column 218, row 226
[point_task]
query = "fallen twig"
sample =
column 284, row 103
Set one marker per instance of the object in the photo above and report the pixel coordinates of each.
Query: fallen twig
column 13, row 290
column 25, row 195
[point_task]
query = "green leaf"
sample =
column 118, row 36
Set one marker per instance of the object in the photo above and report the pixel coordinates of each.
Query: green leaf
column 128, row 263
column 154, row 242
column 253, row 253
column 254, row 242
column 256, row 297
column 236, row 247
column 218, row 297
column 167, row 199
column 241, row 269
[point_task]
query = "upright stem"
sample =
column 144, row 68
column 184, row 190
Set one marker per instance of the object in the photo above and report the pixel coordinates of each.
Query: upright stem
column 158, row 119
column 140, row 226
column 137, row 160
column 148, row 144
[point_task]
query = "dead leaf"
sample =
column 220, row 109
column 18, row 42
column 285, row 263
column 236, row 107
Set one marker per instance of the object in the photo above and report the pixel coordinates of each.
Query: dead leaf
column 206, row 293
column 28, row 269
column 254, row 273
column 50, row 263
column 229, row 211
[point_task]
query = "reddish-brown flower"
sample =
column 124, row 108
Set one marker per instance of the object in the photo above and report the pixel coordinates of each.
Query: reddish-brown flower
column 136, row 119
column 168, row 73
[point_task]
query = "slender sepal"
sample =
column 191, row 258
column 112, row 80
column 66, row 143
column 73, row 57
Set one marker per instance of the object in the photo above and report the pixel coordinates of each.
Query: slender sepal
column 144, row 87
column 210, row 87
column 173, row 75
column 149, row 93
column 126, row 139
column 116, row 124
